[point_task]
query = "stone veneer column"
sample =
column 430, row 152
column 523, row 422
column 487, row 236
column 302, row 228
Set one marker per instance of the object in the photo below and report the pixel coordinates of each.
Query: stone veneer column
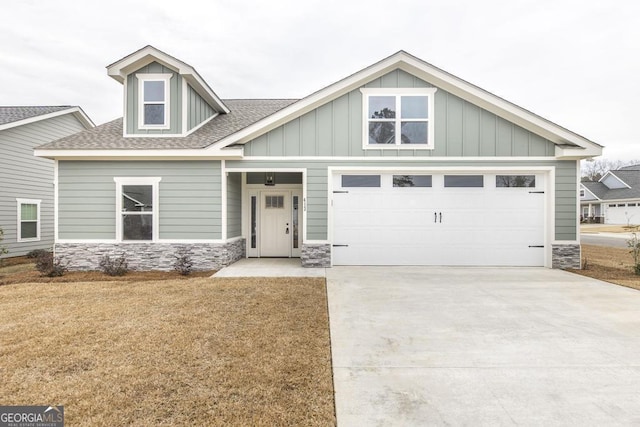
column 565, row 256
column 151, row 256
column 316, row 255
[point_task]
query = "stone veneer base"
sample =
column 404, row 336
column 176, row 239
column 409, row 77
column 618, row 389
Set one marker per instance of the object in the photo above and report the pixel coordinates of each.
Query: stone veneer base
column 315, row 255
column 151, row 256
column 565, row 256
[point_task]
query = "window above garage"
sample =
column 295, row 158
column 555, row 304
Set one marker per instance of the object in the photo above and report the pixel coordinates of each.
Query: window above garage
column 398, row 118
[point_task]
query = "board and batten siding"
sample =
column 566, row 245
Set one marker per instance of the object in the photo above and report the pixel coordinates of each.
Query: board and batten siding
column 175, row 99
column 461, row 129
column 234, row 205
column 189, row 192
column 317, row 179
column 198, row 110
column 24, row 176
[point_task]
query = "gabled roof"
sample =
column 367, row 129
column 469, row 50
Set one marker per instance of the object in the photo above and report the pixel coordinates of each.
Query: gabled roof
column 240, row 124
column 569, row 145
column 630, row 177
column 148, row 54
column 109, row 136
column 20, row 115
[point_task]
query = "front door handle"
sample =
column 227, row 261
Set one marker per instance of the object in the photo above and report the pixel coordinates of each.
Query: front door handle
column 287, row 231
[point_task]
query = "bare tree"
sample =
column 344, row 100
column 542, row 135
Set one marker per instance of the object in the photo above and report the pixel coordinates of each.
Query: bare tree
column 594, row 169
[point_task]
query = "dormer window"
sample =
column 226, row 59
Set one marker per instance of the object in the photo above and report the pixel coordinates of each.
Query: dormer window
column 153, row 95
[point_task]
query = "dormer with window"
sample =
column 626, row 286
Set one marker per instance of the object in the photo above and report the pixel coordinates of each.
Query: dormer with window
column 163, row 96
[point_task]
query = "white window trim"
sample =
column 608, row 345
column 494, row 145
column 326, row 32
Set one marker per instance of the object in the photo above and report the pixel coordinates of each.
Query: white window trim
column 155, row 221
column 429, row 92
column 21, row 202
column 142, row 78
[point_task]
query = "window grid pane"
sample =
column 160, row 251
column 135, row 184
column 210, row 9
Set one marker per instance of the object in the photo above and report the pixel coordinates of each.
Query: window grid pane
column 154, row 91
column 28, row 230
column 28, row 212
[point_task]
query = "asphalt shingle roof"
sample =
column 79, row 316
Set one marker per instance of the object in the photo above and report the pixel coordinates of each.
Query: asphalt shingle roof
column 14, row 114
column 108, row 136
column 630, row 175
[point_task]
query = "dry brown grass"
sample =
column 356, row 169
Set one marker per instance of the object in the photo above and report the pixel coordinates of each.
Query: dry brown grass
column 174, row 352
column 614, row 265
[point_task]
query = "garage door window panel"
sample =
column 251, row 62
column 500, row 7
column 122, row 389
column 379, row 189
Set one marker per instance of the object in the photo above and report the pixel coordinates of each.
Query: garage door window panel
column 360, row 181
column 517, row 181
column 412, row 180
column 464, row 181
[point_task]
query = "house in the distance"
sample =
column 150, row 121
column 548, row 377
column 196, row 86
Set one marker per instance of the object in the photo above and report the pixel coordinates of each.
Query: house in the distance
column 400, row 163
column 614, row 199
column 27, row 182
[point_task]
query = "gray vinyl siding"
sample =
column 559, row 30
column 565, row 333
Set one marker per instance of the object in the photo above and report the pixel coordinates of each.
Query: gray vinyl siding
column 461, row 129
column 175, row 98
column 24, row 176
column 234, row 205
column 198, row 109
column 189, row 192
column 565, row 187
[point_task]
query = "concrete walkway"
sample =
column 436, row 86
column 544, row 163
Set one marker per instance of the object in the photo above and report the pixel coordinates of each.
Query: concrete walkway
column 269, row 267
column 416, row 346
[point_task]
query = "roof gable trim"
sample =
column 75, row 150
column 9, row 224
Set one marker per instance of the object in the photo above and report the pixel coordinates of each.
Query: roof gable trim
column 76, row 111
column 120, row 69
column 568, row 144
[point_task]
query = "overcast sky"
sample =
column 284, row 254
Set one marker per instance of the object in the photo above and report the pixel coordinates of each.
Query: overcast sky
column 576, row 63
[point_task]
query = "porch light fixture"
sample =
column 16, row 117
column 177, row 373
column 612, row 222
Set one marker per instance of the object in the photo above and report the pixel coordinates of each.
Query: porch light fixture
column 269, row 178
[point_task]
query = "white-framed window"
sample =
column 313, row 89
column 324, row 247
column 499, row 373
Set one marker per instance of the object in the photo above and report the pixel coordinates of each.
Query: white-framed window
column 28, row 220
column 153, row 101
column 398, row 118
column 581, row 193
column 137, row 208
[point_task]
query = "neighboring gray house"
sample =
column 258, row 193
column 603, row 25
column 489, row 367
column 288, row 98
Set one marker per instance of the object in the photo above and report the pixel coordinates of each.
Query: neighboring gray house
column 400, row 163
column 26, row 181
column 614, row 199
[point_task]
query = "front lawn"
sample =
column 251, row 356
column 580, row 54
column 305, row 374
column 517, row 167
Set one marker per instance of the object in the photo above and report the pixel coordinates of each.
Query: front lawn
column 198, row 351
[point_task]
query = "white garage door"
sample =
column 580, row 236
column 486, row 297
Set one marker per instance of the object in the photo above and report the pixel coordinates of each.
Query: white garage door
column 622, row 213
column 438, row 219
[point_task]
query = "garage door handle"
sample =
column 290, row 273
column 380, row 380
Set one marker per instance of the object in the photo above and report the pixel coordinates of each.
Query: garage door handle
column 435, row 217
column 441, row 217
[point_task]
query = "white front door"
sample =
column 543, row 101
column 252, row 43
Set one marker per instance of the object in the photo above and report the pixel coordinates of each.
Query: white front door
column 275, row 224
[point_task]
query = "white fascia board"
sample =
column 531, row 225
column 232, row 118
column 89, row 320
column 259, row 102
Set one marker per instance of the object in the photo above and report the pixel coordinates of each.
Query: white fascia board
column 195, row 154
column 501, row 107
column 120, row 69
column 583, row 187
column 616, row 177
column 76, row 111
column 304, row 105
column 583, row 148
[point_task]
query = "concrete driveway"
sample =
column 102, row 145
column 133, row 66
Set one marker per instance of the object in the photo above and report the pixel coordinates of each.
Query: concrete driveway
column 417, row 346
